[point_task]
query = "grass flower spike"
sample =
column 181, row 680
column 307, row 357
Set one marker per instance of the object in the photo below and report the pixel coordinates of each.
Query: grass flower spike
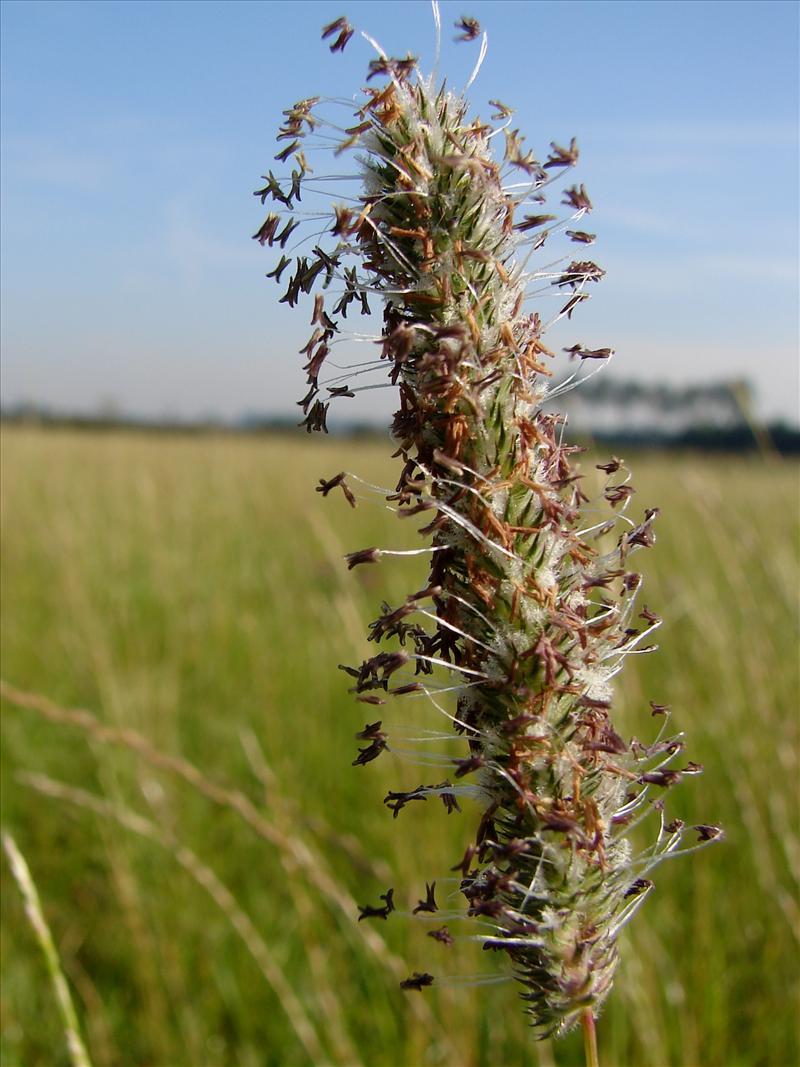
column 530, row 609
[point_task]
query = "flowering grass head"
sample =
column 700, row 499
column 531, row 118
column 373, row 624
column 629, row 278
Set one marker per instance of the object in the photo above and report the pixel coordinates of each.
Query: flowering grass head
column 462, row 233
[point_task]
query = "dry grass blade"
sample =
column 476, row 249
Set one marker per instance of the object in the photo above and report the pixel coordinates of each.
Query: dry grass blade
column 208, row 880
column 33, row 910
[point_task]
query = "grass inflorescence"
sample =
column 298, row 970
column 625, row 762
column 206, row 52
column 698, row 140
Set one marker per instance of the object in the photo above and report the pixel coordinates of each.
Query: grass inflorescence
column 530, row 606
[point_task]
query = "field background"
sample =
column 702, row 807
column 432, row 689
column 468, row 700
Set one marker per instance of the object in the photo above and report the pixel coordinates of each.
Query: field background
column 191, row 589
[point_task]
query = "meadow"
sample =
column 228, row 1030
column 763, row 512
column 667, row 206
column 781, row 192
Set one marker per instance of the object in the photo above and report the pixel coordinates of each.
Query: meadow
column 200, row 840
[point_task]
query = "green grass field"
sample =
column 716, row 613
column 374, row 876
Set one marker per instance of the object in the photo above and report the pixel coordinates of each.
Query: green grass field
column 201, row 886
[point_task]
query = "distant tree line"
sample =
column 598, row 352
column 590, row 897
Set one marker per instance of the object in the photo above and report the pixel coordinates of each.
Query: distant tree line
column 719, row 416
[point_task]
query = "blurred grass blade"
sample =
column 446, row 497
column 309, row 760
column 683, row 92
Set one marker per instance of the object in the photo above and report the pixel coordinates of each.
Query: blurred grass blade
column 208, row 880
column 33, row 909
column 312, row 864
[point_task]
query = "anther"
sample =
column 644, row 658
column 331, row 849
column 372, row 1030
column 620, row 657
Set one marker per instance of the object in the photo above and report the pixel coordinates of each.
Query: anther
column 442, row 935
column 417, row 981
column 429, row 903
column 371, row 912
column 365, row 555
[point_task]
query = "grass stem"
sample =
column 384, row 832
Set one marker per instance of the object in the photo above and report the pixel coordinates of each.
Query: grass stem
column 589, row 1038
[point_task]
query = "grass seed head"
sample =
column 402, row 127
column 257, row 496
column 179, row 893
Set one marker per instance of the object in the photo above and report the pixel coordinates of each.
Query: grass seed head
column 531, row 603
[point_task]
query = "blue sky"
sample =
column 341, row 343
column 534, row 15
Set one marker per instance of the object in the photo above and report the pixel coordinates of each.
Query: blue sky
column 135, row 132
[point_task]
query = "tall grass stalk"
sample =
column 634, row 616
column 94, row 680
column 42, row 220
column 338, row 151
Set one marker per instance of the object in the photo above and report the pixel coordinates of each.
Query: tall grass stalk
column 530, row 607
column 33, row 909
